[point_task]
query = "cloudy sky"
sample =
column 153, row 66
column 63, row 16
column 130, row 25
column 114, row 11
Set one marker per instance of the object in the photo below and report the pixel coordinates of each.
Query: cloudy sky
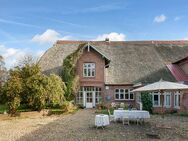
column 32, row 26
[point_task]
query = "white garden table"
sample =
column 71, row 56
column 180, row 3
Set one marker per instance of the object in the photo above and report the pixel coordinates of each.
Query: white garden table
column 132, row 114
column 101, row 120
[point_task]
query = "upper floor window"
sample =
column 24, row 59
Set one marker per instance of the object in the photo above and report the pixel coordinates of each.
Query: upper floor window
column 89, row 70
column 124, row 94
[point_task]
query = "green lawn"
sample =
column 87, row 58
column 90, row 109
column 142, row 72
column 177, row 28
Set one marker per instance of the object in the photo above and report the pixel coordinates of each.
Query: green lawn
column 2, row 108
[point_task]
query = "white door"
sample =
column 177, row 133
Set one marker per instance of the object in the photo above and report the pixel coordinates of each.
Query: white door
column 89, row 99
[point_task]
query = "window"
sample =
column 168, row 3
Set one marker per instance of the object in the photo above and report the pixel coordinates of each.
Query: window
column 79, row 98
column 89, row 70
column 156, row 99
column 177, row 100
column 167, row 100
column 98, row 97
column 123, row 94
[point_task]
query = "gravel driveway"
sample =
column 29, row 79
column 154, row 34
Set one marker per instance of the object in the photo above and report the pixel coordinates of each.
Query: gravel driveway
column 80, row 127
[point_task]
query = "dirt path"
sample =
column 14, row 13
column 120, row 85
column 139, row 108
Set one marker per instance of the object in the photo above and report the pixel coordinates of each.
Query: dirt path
column 80, row 127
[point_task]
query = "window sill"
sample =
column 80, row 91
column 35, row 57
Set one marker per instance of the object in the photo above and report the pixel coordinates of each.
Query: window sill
column 157, row 106
column 167, row 106
column 176, row 107
column 124, row 99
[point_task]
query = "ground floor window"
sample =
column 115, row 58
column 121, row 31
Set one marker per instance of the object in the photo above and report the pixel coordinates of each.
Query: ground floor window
column 167, row 99
column 124, row 94
column 79, row 98
column 156, row 99
column 98, row 96
column 89, row 95
column 177, row 100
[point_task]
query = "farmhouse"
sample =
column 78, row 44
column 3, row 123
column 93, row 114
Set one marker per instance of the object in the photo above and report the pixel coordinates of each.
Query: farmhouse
column 110, row 70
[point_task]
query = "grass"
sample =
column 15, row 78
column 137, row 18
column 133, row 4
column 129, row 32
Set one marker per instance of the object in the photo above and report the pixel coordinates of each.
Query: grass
column 184, row 114
column 3, row 108
column 105, row 111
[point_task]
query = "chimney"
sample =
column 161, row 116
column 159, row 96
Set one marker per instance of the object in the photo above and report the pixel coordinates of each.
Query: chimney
column 107, row 39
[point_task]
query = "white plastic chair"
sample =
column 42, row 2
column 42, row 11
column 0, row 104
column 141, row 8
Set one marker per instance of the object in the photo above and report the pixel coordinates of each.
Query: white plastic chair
column 112, row 118
column 125, row 119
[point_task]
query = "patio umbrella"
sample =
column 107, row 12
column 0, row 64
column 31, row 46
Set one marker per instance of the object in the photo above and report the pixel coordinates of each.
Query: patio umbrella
column 161, row 86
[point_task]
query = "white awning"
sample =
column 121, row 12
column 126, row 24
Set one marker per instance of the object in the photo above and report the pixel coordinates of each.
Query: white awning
column 162, row 85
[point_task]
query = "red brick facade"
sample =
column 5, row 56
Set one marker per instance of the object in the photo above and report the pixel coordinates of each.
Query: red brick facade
column 108, row 90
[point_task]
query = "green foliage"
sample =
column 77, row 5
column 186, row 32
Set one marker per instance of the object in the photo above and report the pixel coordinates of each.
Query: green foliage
column 3, row 108
column 146, row 99
column 184, row 114
column 68, row 107
column 55, row 90
column 69, row 73
column 13, row 89
column 28, row 86
column 36, row 87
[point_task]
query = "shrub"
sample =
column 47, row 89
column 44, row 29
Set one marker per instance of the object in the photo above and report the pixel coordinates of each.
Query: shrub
column 55, row 90
column 28, row 86
column 37, row 91
column 68, row 107
column 146, row 99
column 13, row 88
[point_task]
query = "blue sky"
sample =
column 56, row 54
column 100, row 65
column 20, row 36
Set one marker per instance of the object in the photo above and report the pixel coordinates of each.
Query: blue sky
column 31, row 27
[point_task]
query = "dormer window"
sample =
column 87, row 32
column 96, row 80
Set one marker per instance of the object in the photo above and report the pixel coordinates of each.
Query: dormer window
column 89, row 70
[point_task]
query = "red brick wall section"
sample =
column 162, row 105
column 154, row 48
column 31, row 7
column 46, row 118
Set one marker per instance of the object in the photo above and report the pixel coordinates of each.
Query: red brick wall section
column 183, row 104
column 91, row 57
column 111, row 92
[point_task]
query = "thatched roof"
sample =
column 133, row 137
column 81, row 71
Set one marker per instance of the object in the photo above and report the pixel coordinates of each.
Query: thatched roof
column 131, row 61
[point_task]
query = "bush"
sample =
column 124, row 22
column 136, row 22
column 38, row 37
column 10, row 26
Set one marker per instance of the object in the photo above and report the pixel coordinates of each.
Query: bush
column 55, row 90
column 28, row 86
column 68, row 107
column 146, row 99
column 13, row 88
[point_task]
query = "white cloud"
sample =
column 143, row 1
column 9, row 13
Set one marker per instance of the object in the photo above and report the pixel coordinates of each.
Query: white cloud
column 39, row 53
column 49, row 36
column 159, row 19
column 11, row 55
column 178, row 18
column 113, row 36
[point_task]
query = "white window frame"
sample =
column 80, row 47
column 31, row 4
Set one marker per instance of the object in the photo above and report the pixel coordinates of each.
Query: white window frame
column 89, row 69
column 80, row 99
column 98, row 95
column 165, row 98
column 158, row 94
column 125, row 92
column 177, row 94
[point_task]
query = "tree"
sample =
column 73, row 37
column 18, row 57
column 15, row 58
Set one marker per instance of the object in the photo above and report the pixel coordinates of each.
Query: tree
column 13, row 88
column 3, row 77
column 146, row 99
column 36, row 88
column 3, row 71
column 55, row 90
column 27, row 85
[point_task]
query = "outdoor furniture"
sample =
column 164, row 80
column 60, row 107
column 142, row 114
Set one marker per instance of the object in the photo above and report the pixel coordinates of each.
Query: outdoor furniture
column 125, row 119
column 122, row 105
column 111, row 117
column 101, row 120
column 135, row 115
column 120, row 108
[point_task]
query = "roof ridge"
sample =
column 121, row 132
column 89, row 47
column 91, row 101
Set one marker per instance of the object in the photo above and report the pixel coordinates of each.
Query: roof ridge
column 139, row 41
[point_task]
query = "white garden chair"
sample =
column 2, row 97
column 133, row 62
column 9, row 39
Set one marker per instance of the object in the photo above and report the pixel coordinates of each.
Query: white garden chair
column 125, row 119
column 112, row 118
